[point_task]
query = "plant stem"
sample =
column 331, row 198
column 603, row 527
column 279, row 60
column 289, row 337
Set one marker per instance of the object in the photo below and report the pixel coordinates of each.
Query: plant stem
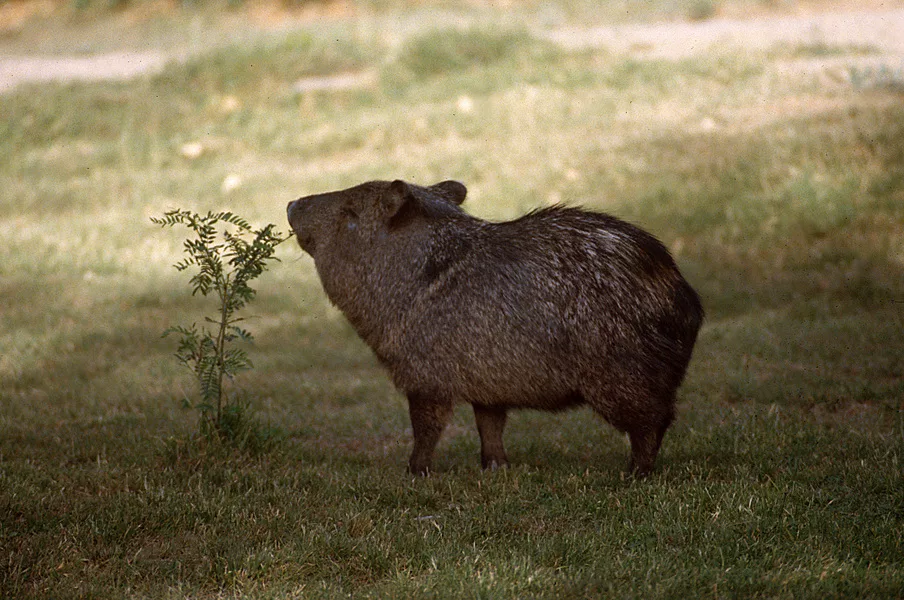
column 221, row 342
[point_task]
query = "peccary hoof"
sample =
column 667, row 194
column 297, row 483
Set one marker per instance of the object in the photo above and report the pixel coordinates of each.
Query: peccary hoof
column 493, row 464
column 418, row 471
column 639, row 471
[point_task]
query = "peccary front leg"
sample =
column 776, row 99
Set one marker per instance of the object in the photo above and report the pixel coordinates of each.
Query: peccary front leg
column 490, row 423
column 643, row 452
column 428, row 419
column 645, row 444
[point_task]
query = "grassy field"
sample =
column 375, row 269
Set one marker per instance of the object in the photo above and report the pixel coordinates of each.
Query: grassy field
column 778, row 185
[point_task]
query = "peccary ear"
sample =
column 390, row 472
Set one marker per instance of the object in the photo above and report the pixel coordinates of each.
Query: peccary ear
column 396, row 198
column 451, row 190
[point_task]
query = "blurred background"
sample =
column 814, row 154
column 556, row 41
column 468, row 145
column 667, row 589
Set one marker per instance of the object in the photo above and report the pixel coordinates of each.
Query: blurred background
column 761, row 140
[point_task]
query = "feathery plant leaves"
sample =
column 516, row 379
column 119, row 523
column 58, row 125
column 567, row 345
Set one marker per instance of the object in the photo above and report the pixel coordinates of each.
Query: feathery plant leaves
column 226, row 254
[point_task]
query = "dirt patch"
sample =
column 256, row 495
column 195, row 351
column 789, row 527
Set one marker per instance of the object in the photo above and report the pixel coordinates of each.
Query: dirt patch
column 880, row 29
column 13, row 15
column 342, row 81
column 117, row 65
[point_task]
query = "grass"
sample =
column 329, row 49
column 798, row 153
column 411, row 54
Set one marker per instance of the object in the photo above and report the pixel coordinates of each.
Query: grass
column 781, row 197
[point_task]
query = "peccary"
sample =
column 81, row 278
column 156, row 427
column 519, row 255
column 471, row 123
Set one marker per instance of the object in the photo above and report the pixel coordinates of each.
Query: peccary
column 558, row 308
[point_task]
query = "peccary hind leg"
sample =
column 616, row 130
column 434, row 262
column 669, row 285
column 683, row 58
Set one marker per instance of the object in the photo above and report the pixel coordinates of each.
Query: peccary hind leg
column 490, row 423
column 428, row 419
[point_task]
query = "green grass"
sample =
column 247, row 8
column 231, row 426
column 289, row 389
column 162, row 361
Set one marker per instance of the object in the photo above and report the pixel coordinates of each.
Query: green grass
column 781, row 198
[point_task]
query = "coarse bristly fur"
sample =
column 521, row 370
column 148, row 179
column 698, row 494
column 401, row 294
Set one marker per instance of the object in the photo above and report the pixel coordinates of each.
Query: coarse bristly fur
column 558, row 308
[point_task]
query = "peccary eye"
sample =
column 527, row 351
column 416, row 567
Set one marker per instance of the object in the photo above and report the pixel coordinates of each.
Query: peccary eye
column 350, row 217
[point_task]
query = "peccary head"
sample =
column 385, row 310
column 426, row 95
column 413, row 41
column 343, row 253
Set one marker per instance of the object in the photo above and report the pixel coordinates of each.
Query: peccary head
column 369, row 241
column 345, row 221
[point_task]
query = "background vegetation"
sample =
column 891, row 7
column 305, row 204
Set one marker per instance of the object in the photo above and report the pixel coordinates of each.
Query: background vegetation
column 779, row 190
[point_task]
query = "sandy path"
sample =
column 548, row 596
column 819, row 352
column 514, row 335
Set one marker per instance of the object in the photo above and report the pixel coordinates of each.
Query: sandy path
column 117, row 65
column 879, row 29
column 882, row 30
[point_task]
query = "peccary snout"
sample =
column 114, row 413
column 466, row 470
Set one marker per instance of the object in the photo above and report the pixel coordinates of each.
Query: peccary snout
column 300, row 214
column 558, row 308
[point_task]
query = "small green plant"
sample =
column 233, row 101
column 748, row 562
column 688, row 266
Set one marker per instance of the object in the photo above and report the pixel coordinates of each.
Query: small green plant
column 227, row 254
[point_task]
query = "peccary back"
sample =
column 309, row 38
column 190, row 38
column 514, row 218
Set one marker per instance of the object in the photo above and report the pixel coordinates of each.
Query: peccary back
column 558, row 308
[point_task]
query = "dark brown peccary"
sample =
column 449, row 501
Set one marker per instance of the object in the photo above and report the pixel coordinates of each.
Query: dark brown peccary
column 558, row 308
